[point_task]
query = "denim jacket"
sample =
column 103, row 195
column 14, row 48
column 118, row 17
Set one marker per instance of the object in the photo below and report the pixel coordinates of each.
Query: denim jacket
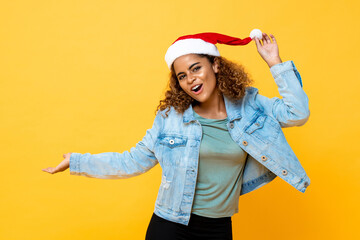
column 255, row 123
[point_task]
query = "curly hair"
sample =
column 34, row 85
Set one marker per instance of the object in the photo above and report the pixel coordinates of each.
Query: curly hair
column 231, row 80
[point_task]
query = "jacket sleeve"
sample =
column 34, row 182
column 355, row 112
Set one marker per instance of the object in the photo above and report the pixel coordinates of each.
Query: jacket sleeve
column 293, row 108
column 114, row 165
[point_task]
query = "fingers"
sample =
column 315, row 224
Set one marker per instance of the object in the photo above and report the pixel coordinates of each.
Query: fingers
column 257, row 42
column 49, row 170
column 266, row 44
column 273, row 38
column 266, row 39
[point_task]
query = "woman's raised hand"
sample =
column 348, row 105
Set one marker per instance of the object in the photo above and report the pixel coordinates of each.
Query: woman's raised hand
column 61, row 167
column 268, row 50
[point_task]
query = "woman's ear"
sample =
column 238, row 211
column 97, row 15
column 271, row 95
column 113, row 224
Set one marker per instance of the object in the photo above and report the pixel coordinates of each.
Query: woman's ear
column 215, row 65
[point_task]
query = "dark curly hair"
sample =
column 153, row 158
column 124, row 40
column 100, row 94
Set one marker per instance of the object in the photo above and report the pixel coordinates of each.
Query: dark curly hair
column 231, row 80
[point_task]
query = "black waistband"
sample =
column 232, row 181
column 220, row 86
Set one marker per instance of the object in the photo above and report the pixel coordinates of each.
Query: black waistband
column 197, row 218
column 208, row 219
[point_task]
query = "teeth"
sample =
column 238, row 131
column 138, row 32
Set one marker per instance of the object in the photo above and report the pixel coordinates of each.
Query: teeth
column 196, row 87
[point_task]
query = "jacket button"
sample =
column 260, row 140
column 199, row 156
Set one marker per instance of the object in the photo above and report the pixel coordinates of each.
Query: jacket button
column 306, row 184
column 284, row 172
column 171, row 141
column 245, row 143
column 257, row 124
column 231, row 125
column 264, row 158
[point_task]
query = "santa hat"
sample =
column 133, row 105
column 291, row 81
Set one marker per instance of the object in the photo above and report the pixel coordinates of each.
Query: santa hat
column 204, row 43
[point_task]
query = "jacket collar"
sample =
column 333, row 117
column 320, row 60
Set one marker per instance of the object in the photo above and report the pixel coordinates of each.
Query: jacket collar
column 232, row 111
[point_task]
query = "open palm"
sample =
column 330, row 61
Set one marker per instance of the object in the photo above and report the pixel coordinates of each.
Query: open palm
column 268, row 50
column 61, row 167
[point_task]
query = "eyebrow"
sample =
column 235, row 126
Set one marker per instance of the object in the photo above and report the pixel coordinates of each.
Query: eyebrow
column 189, row 68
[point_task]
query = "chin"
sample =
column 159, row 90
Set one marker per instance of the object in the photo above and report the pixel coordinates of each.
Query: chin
column 201, row 100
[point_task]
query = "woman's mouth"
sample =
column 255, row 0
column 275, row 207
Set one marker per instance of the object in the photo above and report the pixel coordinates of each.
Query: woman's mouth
column 197, row 89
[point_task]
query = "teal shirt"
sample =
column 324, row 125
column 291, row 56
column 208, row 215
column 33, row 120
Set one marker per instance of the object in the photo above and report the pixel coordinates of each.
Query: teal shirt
column 221, row 165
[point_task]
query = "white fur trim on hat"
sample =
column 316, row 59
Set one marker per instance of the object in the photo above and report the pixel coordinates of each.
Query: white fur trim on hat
column 187, row 46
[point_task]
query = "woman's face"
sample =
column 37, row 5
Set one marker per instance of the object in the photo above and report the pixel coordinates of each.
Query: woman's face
column 196, row 76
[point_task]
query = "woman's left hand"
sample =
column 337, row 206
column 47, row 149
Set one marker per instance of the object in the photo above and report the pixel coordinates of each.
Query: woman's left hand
column 268, row 50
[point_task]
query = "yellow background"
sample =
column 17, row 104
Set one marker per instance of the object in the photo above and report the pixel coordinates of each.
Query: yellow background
column 86, row 76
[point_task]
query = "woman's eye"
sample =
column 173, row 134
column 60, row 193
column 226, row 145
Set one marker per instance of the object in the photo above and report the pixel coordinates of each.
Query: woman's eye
column 181, row 77
column 196, row 68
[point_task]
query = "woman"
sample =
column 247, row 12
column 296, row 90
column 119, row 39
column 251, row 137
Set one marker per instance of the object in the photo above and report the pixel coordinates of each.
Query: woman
column 214, row 136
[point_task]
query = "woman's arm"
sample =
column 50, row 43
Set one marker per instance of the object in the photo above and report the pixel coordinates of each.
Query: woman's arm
column 293, row 108
column 114, row 165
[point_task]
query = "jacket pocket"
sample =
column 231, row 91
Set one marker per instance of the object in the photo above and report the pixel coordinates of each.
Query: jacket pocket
column 264, row 128
column 171, row 149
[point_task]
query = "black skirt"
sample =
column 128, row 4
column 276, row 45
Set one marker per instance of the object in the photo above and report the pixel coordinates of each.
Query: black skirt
column 199, row 228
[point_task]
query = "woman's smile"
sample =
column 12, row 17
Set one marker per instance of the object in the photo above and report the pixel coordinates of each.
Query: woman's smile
column 197, row 89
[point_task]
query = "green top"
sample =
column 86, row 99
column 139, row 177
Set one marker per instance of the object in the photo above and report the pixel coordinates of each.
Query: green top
column 221, row 164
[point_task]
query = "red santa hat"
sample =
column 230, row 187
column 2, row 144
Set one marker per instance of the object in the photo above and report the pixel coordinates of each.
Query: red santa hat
column 204, row 43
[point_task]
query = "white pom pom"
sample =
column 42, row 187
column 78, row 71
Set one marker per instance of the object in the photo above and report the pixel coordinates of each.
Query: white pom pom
column 256, row 33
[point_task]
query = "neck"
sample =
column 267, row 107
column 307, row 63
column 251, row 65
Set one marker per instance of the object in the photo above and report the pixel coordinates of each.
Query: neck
column 214, row 107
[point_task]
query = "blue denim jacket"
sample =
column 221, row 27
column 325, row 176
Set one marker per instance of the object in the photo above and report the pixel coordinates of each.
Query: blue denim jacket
column 255, row 124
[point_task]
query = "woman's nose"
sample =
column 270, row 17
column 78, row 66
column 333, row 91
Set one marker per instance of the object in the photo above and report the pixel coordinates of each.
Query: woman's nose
column 191, row 78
